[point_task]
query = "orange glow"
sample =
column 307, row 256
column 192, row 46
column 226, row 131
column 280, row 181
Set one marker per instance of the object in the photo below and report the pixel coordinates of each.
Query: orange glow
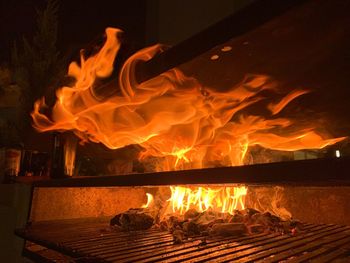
column 275, row 108
column 223, row 199
column 174, row 118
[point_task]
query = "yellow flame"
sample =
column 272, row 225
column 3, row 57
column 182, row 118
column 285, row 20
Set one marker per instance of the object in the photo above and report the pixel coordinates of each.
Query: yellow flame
column 223, row 199
column 149, row 201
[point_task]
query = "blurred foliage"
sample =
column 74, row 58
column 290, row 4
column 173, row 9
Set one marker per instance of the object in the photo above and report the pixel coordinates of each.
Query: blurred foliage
column 37, row 67
column 9, row 108
column 37, row 64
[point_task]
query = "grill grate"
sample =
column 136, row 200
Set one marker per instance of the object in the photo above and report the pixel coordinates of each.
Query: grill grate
column 87, row 240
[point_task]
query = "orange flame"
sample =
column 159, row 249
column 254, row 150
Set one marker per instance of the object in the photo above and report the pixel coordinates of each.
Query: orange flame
column 171, row 116
column 175, row 118
column 149, row 201
column 223, row 199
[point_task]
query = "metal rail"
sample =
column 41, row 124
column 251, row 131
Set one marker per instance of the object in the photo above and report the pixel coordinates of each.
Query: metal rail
column 326, row 172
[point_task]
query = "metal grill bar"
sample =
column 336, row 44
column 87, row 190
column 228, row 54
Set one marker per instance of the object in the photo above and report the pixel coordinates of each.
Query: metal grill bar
column 89, row 240
column 235, row 252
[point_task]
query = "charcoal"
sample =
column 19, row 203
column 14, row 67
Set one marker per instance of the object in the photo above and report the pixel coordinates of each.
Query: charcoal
column 193, row 223
column 285, row 227
column 262, row 219
column 203, row 242
column 190, row 228
column 237, row 212
column 295, row 230
column 133, row 219
column 296, row 224
column 250, row 211
column 204, row 233
column 236, row 218
column 256, row 229
column 115, row 220
column 205, row 218
column 173, row 222
column 275, row 219
column 291, row 227
column 163, row 226
column 218, row 221
column 191, row 214
column 228, row 229
column 178, row 236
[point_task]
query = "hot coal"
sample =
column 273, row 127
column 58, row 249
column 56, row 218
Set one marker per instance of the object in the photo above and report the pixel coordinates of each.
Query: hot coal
column 248, row 221
column 228, row 229
column 207, row 223
column 133, row 219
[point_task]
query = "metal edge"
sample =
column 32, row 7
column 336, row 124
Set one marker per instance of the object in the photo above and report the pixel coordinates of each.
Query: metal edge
column 305, row 172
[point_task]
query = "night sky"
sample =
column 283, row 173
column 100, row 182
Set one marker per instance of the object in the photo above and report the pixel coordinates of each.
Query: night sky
column 81, row 23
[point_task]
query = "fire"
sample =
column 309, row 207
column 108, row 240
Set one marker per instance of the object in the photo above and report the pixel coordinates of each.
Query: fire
column 174, row 118
column 69, row 155
column 149, row 201
column 223, row 199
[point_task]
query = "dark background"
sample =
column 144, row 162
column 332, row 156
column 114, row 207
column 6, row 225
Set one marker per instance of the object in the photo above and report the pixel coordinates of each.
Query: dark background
column 144, row 22
column 80, row 23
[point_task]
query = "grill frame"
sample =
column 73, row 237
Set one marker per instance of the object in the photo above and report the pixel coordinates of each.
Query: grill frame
column 85, row 240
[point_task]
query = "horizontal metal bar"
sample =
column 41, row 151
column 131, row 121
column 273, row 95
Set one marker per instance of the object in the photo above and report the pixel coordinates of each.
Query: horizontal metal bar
column 333, row 171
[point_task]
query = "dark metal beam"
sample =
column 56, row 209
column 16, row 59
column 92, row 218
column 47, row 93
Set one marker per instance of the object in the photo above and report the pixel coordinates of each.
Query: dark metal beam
column 239, row 23
column 304, row 172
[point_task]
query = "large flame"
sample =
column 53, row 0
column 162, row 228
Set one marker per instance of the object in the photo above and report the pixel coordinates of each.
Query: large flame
column 173, row 117
column 223, row 199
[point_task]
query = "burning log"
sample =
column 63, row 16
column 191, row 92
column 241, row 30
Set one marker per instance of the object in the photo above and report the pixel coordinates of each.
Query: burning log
column 193, row 223
column 248, row 221
column 178, row 236
column 256, row 229
column 133, row 219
